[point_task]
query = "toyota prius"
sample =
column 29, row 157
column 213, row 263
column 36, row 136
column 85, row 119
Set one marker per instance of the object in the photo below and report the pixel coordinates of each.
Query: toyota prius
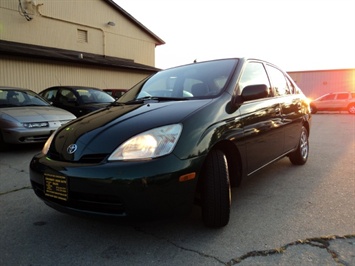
column 182, row 136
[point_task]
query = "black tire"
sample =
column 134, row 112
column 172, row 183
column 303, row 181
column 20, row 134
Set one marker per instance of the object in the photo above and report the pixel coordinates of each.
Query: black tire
column 300, row 156
column 216, row 190
column 351, row 109
column 3, row 145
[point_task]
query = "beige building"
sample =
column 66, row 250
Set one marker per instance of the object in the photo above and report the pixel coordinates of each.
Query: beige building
column 95, row 43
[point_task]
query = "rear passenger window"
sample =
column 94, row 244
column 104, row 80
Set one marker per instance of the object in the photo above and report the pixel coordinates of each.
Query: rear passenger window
column 291, row 87
column 279, row 81
column 328, row 97
column 254, row 74
column 343, row 96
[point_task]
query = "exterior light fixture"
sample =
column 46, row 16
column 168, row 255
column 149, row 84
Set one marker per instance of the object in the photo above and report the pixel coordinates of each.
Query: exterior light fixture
column 111, row 23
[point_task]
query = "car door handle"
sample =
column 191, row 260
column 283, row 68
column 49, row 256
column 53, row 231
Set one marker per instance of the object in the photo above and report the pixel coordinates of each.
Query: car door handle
column 278, row 111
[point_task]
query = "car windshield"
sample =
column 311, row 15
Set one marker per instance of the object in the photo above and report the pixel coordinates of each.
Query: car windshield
column 94, row 96
column 17, row 98
column 194, row 81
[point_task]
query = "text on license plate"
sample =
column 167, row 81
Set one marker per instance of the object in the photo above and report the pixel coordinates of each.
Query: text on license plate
column 56, row 186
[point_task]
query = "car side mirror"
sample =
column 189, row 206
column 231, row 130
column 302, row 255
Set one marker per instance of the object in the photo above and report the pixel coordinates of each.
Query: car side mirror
column 254, row 92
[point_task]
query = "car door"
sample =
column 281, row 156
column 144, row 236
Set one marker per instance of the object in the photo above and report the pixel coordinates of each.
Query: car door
column 291, row 105
column 326, row 102
column 341, row 100
column 261, row 119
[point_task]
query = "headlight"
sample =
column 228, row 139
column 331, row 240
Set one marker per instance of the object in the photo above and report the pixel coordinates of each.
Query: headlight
column 35, row 124
column 48, row 144
column 150, row 144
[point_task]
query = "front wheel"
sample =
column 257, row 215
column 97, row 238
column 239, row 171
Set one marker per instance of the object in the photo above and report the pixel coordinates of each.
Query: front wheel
column 216, row 190
column 300, row 156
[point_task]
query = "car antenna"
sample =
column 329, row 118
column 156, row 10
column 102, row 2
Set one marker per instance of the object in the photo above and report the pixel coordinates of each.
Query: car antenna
column 58, row 80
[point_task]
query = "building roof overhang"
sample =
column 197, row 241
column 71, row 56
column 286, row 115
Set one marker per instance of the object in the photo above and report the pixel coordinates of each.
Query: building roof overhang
column 22, row 50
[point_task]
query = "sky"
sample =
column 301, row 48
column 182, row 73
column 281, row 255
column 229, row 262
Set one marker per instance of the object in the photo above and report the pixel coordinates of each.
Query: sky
column 296, row 35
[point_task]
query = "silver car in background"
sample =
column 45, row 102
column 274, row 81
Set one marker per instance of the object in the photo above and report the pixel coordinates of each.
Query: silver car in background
column 335, row 101
column 25, row 117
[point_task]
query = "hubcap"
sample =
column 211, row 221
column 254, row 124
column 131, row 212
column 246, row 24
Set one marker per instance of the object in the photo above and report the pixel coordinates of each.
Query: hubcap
column 304, row 145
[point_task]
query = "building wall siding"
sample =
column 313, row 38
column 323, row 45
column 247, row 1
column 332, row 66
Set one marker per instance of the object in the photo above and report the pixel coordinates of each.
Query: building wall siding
column 317, row 83
column 38, row 75
column 55, row 24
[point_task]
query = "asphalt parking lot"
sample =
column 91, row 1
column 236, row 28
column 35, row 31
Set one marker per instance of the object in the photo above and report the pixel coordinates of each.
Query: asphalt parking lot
column 282, row 215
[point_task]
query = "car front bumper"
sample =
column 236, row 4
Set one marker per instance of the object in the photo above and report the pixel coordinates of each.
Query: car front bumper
column 24, row 135
column 148, row 188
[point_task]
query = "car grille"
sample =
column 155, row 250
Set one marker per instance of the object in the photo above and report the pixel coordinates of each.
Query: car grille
column 31, row 139
column 93, row 158
column 97, row 203
column 101, row 204
column 88, row 158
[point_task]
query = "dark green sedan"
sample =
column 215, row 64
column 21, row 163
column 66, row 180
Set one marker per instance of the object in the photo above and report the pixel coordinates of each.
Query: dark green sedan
column 183, row 136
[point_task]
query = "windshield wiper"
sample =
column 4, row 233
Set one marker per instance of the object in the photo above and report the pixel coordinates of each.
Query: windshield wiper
column 33, row 104
column 115, row 103
column 154, row 99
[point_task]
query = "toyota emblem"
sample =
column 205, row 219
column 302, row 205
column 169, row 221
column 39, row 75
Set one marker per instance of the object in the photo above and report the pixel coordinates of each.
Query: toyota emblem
column 72, row 148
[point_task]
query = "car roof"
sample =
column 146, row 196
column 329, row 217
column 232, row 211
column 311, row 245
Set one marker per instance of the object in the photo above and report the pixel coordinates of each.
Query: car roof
column 115, row 89
column 336, row 92
column 13, row 88
column 73, row 87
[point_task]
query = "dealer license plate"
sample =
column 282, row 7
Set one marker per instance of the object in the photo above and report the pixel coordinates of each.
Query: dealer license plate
column 56, row 186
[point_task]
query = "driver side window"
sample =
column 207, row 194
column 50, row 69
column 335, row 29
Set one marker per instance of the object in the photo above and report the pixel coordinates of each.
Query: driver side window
column 254, row 74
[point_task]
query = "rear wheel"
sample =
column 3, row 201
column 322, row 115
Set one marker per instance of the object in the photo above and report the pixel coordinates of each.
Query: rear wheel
column 351, row 109
column 313, row 109
column 216, row 190
column 300, row 156
column 3, row 145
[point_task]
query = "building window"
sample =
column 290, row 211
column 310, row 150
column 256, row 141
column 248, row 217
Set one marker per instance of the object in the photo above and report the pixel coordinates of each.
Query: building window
column 82, row 36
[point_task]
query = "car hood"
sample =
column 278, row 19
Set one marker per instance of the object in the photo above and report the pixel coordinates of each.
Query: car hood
column 37, row 113
column 95, row 105
column 98, row 134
